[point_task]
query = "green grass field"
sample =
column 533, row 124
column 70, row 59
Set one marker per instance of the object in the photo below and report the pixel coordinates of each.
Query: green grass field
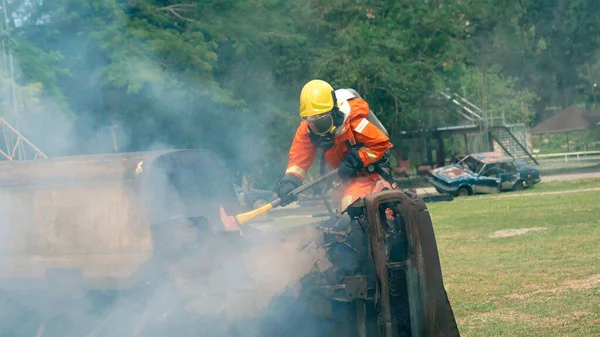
column 541, row 283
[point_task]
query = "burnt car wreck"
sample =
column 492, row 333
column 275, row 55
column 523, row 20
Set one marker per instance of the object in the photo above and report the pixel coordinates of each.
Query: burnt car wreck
column 395, row 281
column 484, row 173
column 130, row 245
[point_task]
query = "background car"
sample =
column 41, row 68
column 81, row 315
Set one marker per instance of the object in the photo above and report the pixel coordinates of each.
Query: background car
column 484, row 173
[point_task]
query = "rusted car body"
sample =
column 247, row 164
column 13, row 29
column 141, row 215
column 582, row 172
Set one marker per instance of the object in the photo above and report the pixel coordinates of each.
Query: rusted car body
column 484, row 173
column 131, row 245
column 91, row 215
column 394, row 284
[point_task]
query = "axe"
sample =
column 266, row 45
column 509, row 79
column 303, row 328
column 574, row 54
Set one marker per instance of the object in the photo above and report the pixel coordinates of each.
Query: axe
column 232, row 223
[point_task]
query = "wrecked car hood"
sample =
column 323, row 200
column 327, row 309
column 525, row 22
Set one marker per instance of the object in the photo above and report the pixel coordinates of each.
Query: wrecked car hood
column 452, row 173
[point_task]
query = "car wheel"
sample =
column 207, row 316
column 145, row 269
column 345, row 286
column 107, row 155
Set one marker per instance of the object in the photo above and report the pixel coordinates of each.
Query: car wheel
column 463, row 192
column 519, row 186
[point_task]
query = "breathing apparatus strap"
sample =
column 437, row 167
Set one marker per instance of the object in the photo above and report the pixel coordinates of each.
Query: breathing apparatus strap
column 378, row 166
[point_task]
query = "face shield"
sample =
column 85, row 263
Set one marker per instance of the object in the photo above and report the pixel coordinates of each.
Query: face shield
column 321, row 124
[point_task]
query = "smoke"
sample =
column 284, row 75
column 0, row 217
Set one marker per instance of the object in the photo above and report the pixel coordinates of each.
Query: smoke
column 131, row 244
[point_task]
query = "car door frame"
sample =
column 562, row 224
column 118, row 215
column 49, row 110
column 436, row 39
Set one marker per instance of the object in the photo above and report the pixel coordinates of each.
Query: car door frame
column 509, row 179
column 485, row 184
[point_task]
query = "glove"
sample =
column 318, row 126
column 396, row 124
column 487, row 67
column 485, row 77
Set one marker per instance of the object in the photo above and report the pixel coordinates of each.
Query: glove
column 283, row 189
column 351, row 165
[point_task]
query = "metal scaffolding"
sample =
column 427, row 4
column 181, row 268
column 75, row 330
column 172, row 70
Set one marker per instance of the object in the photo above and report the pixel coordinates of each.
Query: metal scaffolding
column 15, row 146
column 512, row 139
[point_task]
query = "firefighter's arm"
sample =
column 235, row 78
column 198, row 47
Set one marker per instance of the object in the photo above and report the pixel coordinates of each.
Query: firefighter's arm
column 374, row 141
column 302, row 154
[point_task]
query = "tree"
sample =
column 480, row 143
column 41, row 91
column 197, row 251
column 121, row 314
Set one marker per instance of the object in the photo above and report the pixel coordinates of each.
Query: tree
column 395, row 54
column 226, row 74
column 503, row 101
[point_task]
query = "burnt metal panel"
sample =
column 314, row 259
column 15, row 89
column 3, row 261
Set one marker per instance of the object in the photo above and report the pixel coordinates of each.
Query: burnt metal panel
column 412, row 286
column 96, row 215
column 82, row 168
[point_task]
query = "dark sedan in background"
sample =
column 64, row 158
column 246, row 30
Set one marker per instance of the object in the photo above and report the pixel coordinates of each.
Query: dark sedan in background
column 484, row 173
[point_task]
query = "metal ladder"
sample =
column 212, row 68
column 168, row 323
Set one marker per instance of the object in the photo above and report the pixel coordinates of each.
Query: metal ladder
column 511, row 144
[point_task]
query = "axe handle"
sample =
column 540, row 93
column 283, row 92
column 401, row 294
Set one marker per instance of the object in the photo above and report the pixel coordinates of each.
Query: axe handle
column 245, row 217
column 312, row 183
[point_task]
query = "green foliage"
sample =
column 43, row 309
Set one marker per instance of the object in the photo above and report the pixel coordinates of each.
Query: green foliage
column 498, row 94
column 394, row 53
column 226, row 74
column 564, row 142
column 555, row 40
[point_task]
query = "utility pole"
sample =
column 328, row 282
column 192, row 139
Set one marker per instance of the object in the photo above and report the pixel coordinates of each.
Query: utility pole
column 485, row 112
column 594, row 95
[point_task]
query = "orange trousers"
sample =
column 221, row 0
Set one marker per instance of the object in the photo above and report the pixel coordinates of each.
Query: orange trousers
column 360, row 186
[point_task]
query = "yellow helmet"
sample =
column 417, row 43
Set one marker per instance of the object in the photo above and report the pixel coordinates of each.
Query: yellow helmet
column 316, row 98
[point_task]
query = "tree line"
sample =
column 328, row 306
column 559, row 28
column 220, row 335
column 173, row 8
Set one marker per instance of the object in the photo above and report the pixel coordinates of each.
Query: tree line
column 226, row 74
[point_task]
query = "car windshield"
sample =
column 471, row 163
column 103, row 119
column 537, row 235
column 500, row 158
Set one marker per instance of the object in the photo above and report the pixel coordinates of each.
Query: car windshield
column 472, row 164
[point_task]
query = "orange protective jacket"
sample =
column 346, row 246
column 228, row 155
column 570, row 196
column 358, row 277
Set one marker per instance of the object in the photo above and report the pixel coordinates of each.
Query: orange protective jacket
column 356, row 129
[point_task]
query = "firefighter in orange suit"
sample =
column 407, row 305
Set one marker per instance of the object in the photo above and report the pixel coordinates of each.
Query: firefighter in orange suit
column 335, row 121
